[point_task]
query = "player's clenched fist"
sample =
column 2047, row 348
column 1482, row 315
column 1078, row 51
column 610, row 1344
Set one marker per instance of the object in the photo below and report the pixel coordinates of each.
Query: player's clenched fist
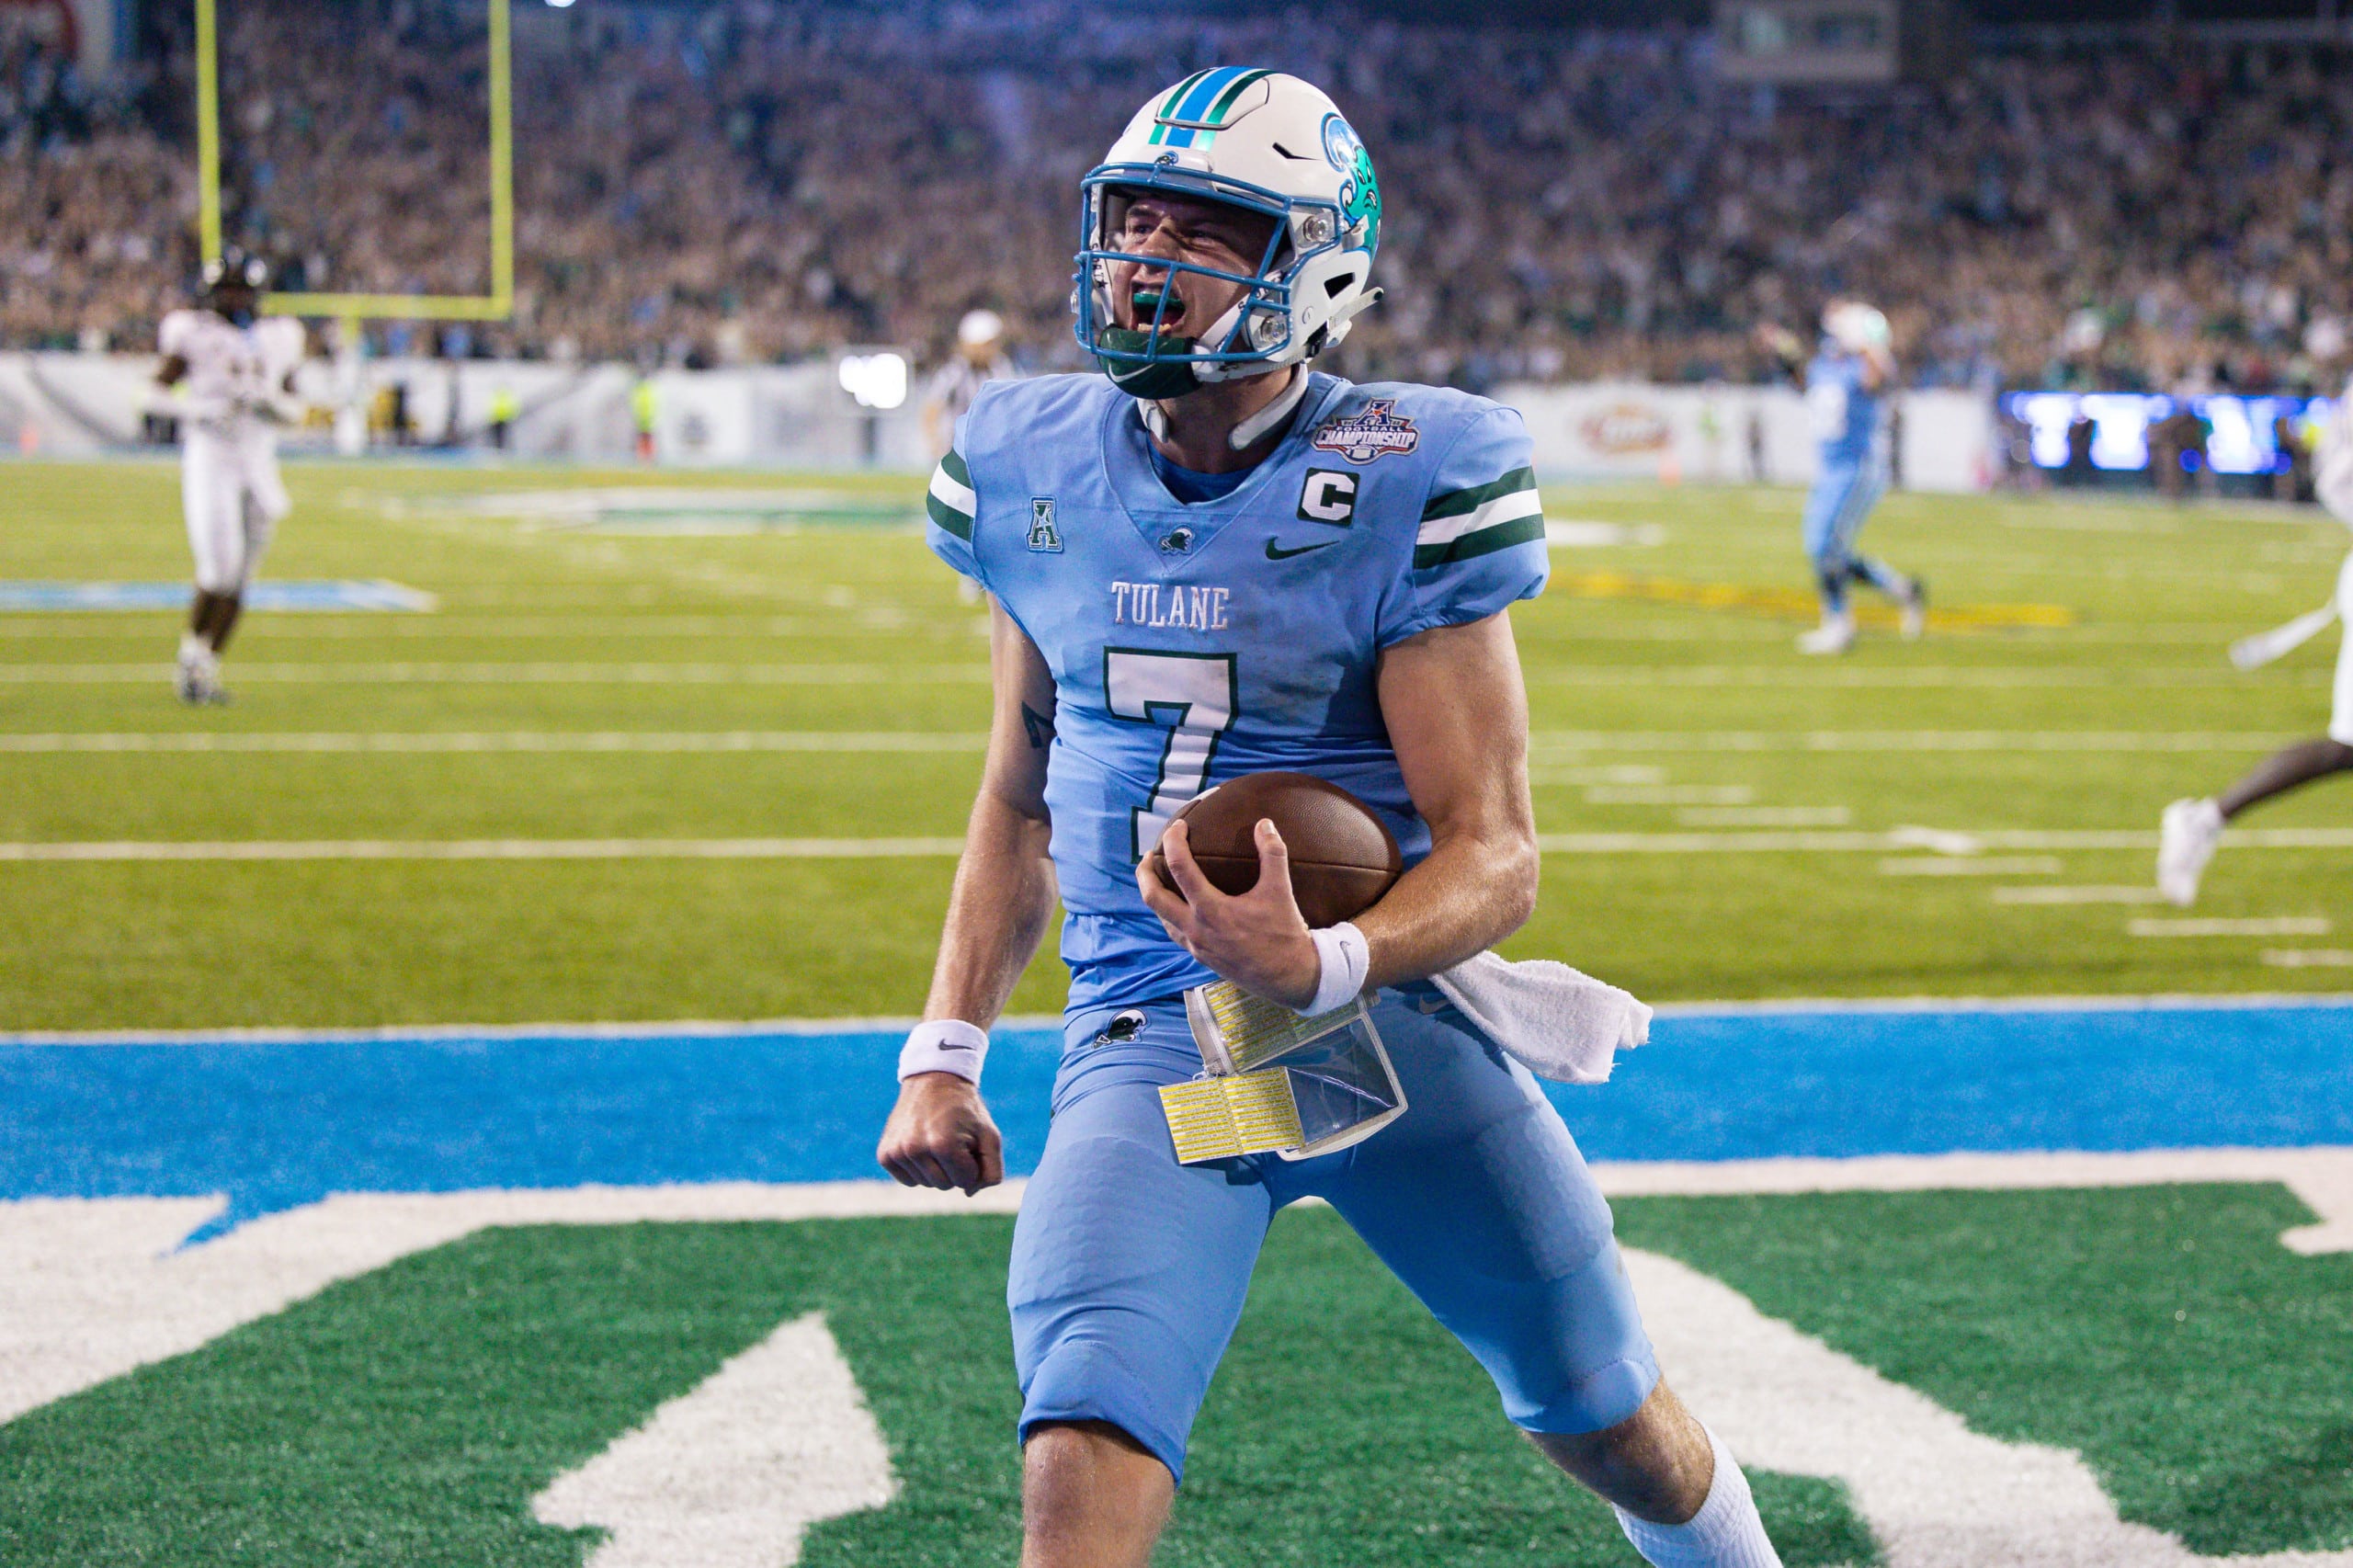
column 939, row 1134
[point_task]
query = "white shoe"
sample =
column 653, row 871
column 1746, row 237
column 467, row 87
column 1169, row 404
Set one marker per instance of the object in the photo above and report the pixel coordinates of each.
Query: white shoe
column 2185, row 840
column 1835, row 635
column 1914, row 609
column 197, row 682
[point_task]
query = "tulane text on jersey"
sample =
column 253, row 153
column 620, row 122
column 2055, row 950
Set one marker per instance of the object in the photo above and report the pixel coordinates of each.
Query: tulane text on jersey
column 1192, row 644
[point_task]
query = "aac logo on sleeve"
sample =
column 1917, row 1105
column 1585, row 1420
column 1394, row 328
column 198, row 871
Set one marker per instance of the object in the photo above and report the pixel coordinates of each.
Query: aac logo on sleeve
column 1329, row 496
column 1044, row 538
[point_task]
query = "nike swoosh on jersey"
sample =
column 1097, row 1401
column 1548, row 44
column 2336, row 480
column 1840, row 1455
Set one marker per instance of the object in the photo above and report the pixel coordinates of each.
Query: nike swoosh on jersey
column 1277, row 552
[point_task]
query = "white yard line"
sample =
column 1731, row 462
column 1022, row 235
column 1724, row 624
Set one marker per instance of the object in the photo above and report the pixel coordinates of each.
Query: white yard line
column 2308, row 958
column 2063, row 896
column 2274, row 925
column 1559, row 744
column 1668, row 795
column 535, row 673
column 1809, row 678
column 431, row 743
column 2321, row 1177
column 704, row 673
column 1961, row 865
column 497, row 849
column 1763, row 816
column 1734, row 843
column 1572, row 744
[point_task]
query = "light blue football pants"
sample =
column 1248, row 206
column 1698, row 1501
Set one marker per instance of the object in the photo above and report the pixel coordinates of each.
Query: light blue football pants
column 1128, row 1269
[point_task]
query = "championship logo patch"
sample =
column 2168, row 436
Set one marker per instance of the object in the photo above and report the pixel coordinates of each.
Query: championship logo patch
column 1375, row 433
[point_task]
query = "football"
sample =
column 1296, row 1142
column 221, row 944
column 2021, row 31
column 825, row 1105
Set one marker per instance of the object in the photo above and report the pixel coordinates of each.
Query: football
column 1342, row 858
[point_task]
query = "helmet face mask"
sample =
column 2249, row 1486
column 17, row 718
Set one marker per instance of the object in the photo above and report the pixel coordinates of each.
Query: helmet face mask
column 1196, row 144
column 232, row 285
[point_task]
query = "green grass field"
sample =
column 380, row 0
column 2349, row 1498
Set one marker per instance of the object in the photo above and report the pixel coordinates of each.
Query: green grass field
column 686, row 652
column 728, row 660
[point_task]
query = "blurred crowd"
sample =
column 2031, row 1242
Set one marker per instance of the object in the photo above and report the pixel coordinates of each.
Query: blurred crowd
column 756, row 179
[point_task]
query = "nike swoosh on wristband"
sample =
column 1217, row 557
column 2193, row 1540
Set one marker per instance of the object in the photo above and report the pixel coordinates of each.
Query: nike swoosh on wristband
column 1277, row 552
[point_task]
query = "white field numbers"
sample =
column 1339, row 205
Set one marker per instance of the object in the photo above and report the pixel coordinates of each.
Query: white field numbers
column 1194, row 694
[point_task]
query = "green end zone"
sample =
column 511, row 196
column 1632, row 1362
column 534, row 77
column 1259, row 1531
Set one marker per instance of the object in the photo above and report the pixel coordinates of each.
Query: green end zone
column 2202, row 1371
column 411, row 1415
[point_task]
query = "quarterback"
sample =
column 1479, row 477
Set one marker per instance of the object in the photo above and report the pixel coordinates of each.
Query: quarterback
column 1846, row 384
column 1209, row 562
column 234, row 365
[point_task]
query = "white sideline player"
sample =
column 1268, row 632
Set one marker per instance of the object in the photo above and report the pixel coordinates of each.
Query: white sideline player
column 236, row 366
column 2191, row 829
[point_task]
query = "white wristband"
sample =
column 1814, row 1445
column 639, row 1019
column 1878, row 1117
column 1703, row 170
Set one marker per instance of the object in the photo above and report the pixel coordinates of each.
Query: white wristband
column 945, row 1045
column 1346, row 958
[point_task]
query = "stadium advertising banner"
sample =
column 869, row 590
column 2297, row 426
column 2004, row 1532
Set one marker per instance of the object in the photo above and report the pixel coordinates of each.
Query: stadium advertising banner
column 2240, row 435
column 1718, row 434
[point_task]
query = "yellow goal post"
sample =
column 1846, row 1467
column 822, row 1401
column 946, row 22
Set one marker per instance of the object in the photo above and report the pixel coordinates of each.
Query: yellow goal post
column 496, row 305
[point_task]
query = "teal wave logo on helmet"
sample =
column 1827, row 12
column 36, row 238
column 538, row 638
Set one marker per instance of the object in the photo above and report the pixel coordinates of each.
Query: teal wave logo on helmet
column 1360, row 189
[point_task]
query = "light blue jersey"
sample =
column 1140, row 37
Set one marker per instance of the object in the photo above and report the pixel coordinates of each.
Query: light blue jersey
column 1843, row 410
column 1195, row 643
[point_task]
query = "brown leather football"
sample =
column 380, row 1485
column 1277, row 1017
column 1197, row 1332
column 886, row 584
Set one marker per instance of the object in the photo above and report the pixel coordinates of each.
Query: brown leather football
column 1342, row 858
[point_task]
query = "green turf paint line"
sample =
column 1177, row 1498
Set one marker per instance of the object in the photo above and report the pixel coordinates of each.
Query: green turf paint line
column 411, row 1415
column 2203, row 1371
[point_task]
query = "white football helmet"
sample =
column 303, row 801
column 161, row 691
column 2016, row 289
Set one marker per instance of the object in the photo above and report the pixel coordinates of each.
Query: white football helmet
column 1259, row 139
column 1854, row 325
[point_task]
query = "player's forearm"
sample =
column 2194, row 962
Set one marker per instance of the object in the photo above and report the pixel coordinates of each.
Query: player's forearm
column 1471, row 892
column 998, row 912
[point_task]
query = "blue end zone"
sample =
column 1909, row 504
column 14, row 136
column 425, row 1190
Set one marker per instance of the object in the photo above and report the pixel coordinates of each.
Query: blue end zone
column 261, row 596
column 279, row 1122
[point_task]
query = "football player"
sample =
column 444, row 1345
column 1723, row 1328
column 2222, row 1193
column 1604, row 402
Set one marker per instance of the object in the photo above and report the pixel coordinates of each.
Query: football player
column 1844, row 387
column 235, row 366
column 1208, row 561
column 2190, row 831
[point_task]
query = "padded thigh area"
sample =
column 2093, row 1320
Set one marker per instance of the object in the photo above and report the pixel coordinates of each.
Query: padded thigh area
column 1478, row 1199
column 1129, row 1270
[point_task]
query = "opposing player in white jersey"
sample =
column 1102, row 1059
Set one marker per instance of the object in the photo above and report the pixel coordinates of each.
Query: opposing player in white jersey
column 230, row 367
column 2191, row 830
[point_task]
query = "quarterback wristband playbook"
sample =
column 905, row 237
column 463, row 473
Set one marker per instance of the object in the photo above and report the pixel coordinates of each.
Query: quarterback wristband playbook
column 945, row 1045
column 1277, row 1082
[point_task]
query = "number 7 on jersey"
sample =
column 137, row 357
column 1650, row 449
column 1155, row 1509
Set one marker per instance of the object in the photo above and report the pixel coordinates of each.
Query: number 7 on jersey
column 1194, row 695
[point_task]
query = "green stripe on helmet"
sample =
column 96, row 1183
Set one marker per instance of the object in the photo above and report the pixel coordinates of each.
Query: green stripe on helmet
column 1168, row 105
column 1217, row 112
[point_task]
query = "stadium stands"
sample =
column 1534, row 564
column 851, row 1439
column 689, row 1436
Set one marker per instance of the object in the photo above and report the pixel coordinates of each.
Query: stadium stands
column 767, row 178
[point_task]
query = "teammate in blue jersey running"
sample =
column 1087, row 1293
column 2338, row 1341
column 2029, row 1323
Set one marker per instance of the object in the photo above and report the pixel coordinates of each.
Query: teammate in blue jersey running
column 1846, row 384
column 1210, row 563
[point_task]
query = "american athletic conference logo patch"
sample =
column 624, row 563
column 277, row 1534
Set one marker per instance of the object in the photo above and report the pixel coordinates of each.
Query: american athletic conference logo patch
column 1375, row 433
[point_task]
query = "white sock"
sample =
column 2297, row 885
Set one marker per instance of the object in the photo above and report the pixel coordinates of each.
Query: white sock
column 1724, row 1533
column 193, row 648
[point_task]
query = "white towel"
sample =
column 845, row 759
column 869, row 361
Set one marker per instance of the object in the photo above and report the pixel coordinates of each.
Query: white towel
column 1554, row 1021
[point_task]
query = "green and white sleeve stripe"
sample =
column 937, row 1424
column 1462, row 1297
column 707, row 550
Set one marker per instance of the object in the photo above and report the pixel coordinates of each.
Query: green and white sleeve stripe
column 951, row 501
column 1462, row 524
